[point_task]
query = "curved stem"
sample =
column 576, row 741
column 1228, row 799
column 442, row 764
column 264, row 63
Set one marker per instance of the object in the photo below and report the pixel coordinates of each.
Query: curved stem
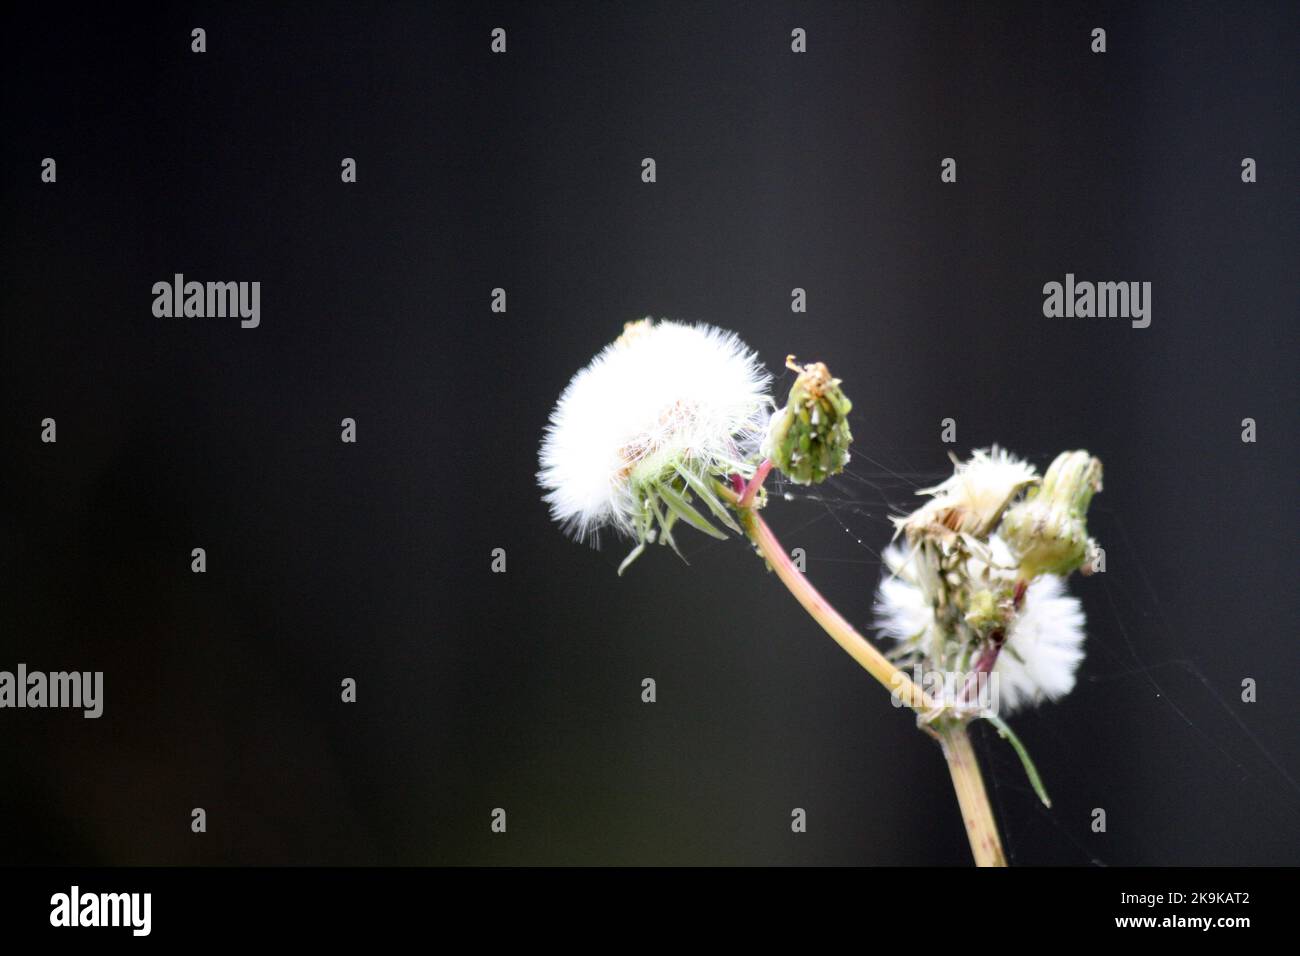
column 841, row 631
column 976, row 813
column 972, row 798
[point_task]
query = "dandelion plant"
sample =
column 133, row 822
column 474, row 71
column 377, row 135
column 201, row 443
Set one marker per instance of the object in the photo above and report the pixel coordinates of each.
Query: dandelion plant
column 674, row 426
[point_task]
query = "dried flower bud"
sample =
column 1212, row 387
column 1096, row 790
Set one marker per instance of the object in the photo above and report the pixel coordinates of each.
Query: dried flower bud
column 809, row 438
column 1048, row 530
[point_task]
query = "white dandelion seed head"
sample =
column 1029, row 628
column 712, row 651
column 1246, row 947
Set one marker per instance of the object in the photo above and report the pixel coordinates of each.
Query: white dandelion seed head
column 1044, row 642
column 664, row 394
column 972, row 501
column 1044, row 646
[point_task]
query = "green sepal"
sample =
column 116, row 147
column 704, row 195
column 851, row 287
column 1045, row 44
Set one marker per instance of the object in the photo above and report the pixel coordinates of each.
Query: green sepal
column 678, row 504
column 632, row 556
column 705, row 494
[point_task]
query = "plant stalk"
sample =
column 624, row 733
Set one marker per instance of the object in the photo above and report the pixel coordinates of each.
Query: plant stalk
column 972, row 798
column 841, row 631
column 976, row 812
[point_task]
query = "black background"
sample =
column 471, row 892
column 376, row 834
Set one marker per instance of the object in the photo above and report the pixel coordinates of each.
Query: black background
column 522, row 690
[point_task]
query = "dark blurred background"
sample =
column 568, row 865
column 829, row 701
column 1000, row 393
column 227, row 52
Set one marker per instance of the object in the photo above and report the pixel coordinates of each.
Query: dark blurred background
column 522, row 690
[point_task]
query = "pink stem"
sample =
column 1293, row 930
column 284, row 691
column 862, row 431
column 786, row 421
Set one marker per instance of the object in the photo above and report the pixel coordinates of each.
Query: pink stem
column 751, row 490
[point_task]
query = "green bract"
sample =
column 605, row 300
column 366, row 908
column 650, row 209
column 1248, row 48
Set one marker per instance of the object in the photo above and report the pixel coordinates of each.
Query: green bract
column 675, row 496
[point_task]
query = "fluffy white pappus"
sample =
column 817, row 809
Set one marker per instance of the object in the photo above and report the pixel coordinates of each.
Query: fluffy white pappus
column 662, row 395
column 902, row 612
column 1044, row 644
column 973, row 499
